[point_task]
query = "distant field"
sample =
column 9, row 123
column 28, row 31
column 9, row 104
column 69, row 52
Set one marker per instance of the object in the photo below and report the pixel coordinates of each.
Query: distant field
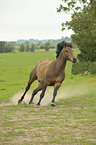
column 72, row 121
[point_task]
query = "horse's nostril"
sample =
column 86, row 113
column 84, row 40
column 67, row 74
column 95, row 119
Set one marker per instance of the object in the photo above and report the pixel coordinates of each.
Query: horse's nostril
column 74, row 60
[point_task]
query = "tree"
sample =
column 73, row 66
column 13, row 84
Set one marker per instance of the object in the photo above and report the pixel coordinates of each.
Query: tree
column 5, row 48
column 73, row 6
column 47, row 46
column 27, row 48
column 9, row 48
column 32, row 48
column 22, row 48
column 42, row 47
column 83, row 24
column 2, row 46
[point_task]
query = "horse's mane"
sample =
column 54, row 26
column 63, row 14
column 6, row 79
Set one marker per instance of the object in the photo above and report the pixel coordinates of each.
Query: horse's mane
column 60, row 47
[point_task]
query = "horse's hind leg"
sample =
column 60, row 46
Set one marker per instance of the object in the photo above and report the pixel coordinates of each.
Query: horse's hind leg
column 39, row 88
column 27, row 88
column 33, row 77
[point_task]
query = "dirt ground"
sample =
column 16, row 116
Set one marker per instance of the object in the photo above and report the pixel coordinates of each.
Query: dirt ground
column 45, row 101
column 62, row 93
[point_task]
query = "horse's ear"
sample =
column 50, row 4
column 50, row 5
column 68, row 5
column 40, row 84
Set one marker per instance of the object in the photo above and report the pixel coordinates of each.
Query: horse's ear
column 69, row 45
column 65, row 45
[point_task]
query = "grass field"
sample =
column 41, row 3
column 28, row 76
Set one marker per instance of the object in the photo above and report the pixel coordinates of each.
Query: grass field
column 72, row 121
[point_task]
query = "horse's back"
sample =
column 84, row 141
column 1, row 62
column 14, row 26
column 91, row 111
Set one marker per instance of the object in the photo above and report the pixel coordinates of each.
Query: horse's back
column 42, row 68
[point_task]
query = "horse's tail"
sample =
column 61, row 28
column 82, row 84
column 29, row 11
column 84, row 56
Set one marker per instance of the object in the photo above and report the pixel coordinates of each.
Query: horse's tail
column 33, row 75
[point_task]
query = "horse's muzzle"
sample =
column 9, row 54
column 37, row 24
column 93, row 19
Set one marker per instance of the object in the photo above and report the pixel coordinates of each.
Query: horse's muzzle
column 74, row 60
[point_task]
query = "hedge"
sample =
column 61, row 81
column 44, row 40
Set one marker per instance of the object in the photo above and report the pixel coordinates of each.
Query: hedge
column 82, row 67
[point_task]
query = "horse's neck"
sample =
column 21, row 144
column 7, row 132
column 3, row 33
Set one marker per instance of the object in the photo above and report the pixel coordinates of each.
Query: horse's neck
column 61, row 62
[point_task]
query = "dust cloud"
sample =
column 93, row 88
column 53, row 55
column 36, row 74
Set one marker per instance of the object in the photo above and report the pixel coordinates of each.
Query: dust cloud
column 64, row 93
column 45, row 101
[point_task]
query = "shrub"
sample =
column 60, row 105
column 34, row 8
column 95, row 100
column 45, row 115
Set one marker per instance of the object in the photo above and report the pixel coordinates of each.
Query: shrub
column 82, row 67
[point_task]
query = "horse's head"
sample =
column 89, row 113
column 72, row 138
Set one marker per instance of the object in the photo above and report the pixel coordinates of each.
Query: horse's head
column 68, row 53
column 60, row 46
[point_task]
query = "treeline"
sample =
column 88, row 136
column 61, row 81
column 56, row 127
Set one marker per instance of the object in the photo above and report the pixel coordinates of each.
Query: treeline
column 27, row 47
column 30, row 45
column 5, row 47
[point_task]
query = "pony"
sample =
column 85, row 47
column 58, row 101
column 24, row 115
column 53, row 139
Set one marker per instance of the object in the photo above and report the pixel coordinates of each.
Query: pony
column 49, row 73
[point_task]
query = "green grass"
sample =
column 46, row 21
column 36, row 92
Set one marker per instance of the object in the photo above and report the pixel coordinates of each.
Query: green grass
column 14, row 71
column 72, row 121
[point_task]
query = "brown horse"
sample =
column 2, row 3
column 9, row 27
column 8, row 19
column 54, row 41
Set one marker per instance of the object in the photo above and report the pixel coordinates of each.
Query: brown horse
column 49, row 73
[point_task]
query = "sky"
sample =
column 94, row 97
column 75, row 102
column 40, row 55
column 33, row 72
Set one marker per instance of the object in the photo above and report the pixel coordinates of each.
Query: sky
column 27, row 19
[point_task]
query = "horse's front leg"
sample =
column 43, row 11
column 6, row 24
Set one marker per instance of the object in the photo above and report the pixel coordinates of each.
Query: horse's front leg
column 56, row 87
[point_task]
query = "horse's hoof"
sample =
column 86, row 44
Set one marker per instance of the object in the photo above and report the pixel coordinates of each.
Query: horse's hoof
column 31, row 103
column 37, row 105
column 53, row 104
column 19, row 101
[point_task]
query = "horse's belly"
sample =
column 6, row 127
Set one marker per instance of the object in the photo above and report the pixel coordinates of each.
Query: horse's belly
column 42, row 68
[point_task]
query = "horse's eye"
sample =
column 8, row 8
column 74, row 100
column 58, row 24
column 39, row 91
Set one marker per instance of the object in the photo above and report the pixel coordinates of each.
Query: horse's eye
column 67, row 51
